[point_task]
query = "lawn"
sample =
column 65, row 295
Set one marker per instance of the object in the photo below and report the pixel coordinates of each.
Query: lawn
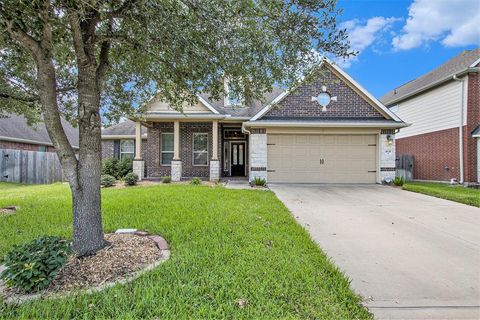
column 445, row 191
column 226, row 245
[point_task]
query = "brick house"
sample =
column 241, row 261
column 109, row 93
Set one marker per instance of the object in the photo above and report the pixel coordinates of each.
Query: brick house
column 443, row 108
column 330, row 130
column 16, row 134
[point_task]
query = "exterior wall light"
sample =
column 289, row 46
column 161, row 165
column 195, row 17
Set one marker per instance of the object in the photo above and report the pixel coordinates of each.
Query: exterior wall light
column 389, row 139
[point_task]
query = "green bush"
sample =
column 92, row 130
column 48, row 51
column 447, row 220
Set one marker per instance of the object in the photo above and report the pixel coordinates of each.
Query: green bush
column 109, row 166
column 196, row 181
column 32, row 267
column 257, row 181
column 107, row 180
column 117, row 168
column 131, row 179
column 399, row 181
column 167, row 179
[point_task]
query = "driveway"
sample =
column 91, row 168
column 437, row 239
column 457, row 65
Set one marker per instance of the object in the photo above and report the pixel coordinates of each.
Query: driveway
column 410, row 256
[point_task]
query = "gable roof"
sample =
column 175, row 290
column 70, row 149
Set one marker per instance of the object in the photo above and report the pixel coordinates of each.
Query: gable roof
column 14, row 128
column 346, row 78
column 125, row 129
column 465, row 61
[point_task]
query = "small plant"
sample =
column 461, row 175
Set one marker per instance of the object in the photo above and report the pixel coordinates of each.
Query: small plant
column 109, row 166
column 260, row 182
column 32, row 267
column 167, row 179
column 124, row 167
column 131, row 179
column 196, row 181
column 107, row 180
column 399, row 181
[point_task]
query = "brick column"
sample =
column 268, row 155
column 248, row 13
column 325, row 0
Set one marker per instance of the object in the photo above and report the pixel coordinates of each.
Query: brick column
column 138, row 163
column 176, row 162
column 258, row 154
column 214, row 162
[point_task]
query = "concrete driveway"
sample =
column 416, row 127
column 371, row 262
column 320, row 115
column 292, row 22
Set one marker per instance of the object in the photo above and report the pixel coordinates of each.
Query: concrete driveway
column 410, row 256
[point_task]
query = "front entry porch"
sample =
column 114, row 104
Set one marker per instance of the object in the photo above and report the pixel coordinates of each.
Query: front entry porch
column 186, row 149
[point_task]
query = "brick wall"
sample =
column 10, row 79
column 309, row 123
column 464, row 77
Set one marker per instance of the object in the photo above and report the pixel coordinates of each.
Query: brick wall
column 473, row 120
column 152, row 156
column 23, row 146
column 300, row 104
column 186, row 148
column 433, row 152
column 109, row 152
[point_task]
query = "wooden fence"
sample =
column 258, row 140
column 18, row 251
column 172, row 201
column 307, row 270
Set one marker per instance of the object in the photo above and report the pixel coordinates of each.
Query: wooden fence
column 29, row 166
column 404, row 166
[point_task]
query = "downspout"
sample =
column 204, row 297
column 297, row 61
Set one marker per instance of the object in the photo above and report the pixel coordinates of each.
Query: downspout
column 460, row 128
column 243, row 128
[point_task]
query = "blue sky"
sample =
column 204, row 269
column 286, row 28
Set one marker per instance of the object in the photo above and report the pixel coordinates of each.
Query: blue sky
column 400, row 40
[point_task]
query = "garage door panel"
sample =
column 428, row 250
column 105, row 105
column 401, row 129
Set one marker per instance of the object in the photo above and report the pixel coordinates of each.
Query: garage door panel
column 298, row 158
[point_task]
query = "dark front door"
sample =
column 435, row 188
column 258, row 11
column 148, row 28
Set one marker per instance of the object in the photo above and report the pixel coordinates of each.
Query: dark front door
column 238, row 159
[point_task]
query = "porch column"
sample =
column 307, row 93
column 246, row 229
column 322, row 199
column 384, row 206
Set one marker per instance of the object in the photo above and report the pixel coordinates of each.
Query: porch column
column 176, row 162
column 138, row 163
column 214, row 162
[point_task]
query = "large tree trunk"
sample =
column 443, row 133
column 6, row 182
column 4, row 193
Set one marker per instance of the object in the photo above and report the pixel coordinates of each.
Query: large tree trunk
column 87, row 215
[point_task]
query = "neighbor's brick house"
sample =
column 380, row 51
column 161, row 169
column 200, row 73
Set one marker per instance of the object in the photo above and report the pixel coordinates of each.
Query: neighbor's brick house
column 443, row 108
column 329, row 130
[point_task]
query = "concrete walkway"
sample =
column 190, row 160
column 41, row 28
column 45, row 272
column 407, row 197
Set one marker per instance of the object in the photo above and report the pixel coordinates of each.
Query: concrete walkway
column 410, row 256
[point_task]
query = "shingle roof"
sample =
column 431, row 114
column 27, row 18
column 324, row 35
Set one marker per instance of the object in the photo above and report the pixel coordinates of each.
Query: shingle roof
column 15, row 127
column 457, row 64
column 125, row 128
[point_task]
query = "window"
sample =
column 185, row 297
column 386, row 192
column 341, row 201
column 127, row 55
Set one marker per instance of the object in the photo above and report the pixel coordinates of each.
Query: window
column 167, row 149
column 200, row 149
column 127, row 149
column 42, row 148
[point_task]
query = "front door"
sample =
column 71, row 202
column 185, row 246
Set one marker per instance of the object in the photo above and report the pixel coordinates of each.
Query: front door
column 238, row 158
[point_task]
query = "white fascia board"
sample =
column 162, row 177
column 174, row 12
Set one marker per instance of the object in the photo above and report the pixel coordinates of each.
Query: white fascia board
column 329, row 124
column 473, row 65
column 206, row 104
column 180, row 116
column 364, row 91
column 121, row 136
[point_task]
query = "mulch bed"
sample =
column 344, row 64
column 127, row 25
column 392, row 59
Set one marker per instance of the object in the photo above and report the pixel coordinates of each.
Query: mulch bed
column 125, row 254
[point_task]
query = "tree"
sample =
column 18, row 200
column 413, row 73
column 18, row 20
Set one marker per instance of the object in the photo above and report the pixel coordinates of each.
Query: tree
column 84, row 59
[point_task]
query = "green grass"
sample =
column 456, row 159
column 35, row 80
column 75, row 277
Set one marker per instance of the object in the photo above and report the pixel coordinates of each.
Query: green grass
column 445, row 191
column 226, row 245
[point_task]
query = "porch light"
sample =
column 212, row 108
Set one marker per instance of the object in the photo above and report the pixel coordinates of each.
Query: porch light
column 389, row 139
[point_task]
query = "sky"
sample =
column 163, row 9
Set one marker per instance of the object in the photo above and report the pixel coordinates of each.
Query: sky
column 399, row 40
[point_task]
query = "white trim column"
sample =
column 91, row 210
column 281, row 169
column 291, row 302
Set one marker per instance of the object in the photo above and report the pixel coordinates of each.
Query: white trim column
column 176, row 162
column 214, row 162
column 138, row 163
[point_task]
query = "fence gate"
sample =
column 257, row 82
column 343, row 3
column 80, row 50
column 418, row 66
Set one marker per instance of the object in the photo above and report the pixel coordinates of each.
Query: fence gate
column 405, row 166
column 29, row 166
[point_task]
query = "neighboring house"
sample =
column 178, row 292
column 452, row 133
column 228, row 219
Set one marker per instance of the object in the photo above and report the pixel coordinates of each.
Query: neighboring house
column 328, row 131
column 16, row 134
column 443, row 108
column 118, row 141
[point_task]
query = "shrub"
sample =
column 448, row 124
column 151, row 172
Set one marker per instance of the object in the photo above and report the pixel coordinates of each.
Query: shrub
column 107, row 180
column 109, row 166
column 32, row 267
column 196, row 181
column 117, row 168
column 257, row 181
column 398, row 181
column 167, row 179
column 131, row 179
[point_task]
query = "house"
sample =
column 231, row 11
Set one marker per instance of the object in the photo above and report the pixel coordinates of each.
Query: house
column 16, row 134
column 118, row 141
column 327, row 131
column 443, row 108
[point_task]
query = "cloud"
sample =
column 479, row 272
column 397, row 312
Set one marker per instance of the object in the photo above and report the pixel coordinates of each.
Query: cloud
column 363, row 34
column 453, row 22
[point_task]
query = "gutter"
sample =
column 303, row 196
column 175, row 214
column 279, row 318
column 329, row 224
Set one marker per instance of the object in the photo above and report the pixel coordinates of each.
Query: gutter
column 20, row 140
column 160, row 116
column 432, row 85
column 317, row 124
column 121, row 136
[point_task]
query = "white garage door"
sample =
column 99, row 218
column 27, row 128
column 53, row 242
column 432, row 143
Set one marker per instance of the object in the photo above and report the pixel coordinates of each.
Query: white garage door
column 322, row 158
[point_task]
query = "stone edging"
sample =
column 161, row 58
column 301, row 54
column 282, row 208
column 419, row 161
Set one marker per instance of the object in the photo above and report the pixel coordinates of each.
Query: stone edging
column 17, row 299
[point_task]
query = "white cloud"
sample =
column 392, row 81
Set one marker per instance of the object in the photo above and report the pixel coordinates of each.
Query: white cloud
column 453, row 22
column 364, row 34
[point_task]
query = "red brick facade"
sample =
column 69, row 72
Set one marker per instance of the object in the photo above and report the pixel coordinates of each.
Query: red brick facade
column 473, row 120
column 23, row 146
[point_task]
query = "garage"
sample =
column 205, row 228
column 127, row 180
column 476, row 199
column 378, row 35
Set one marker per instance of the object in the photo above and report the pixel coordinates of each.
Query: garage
column 321, row 158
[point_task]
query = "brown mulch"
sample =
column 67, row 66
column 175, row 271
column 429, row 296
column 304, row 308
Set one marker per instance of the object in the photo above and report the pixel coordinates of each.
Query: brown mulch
column 8, row 210
column 125, row 254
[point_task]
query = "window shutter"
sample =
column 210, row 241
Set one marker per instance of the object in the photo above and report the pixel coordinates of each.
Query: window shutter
column 116, row 149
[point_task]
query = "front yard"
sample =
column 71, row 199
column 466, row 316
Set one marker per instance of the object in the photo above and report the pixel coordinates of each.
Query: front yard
column 227, row 246
column 445, row 191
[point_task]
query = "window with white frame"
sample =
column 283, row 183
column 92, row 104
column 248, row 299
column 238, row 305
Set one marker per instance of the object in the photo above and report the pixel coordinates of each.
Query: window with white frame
column 127, row 149
column 200, row 149
column 167, row 148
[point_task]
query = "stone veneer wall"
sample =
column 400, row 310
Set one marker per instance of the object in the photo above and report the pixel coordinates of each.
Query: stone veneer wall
column 387, row 155
column 258, row 154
